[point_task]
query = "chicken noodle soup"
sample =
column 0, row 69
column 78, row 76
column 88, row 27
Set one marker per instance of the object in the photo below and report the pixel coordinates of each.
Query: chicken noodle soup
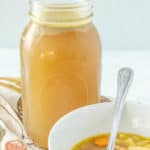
column 124, row 141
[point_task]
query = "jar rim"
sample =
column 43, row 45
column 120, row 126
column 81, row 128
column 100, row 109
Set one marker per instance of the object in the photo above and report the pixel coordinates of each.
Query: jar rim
column 62, row 4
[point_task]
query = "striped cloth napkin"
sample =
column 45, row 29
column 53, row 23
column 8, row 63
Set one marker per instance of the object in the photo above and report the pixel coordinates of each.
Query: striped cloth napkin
column 12, row 133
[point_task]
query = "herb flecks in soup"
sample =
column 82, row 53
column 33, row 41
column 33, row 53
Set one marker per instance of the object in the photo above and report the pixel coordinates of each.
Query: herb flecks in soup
column 124, row 142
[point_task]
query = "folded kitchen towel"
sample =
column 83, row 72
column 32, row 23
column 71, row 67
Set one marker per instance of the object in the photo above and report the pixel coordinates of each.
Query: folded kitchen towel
column 12, row 133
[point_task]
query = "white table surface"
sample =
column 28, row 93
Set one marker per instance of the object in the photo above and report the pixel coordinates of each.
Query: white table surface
column 112, row 61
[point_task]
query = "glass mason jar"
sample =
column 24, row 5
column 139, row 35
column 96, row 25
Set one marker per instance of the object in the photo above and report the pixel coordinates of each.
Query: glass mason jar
column 60, row 63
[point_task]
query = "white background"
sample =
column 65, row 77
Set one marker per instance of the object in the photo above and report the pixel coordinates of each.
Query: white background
column 123, row 24
column 125, row 30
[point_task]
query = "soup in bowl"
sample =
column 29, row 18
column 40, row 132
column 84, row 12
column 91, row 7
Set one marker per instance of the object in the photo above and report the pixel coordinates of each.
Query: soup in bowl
column 88, row 128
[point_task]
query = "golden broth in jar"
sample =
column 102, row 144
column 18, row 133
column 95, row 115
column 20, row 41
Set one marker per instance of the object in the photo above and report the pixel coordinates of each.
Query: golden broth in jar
column 60, row 63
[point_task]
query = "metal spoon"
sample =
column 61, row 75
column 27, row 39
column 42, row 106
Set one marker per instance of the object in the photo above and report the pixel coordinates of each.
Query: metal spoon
column 125, row 77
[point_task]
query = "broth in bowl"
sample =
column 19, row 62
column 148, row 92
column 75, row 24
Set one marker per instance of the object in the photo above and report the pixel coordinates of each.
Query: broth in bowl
column 97, row 119
column 124, row 141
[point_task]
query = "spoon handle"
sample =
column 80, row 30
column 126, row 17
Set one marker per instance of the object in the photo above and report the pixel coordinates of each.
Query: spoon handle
column 125, row 77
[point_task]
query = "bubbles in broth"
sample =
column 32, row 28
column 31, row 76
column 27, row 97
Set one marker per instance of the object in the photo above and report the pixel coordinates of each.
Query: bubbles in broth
column 124, row 141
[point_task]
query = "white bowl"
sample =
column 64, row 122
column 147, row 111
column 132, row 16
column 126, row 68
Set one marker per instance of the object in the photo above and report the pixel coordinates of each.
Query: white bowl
column 96, row 119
